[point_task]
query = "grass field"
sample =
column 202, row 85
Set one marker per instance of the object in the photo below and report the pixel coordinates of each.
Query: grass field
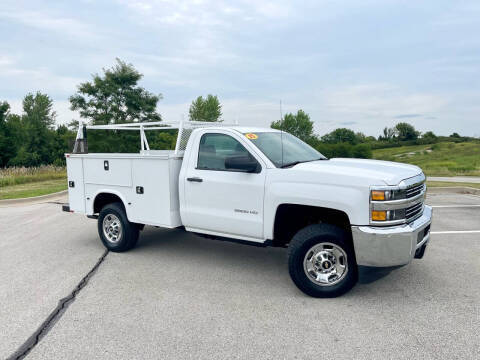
column 23, row 175
column 26, row 182
column 441, row 159
column 32, row 189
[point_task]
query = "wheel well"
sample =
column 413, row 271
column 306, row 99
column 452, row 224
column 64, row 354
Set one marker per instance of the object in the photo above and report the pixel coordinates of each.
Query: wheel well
column 290, row 218
column 103, row 199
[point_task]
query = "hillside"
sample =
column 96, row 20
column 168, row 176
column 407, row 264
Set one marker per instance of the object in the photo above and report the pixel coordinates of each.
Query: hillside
column 441, row 159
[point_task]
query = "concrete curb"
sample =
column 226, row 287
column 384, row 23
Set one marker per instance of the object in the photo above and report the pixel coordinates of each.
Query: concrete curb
column 33, row 199
column 453, row 190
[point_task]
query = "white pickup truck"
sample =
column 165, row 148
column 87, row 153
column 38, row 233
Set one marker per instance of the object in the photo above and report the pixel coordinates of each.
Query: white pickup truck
column 258, row 186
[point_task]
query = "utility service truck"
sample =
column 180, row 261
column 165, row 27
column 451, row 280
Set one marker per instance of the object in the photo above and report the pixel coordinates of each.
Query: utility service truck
column 257, row 186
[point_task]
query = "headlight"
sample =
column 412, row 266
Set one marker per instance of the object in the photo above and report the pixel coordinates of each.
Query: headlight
column 380, row 195
column 385, row 195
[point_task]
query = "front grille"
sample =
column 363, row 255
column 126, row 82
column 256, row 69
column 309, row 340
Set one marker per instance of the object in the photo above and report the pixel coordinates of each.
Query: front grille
column 414, row 190
column 414, row 211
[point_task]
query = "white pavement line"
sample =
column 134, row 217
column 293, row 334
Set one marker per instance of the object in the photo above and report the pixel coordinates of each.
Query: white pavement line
column 455, row 206
column 456, row 232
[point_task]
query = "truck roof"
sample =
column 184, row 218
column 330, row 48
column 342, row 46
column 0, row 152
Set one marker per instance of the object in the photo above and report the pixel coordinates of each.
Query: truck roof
column 244, row 129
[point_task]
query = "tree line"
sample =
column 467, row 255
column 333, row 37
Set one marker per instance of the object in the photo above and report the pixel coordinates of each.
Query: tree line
column 343, row 142
column 33, row 138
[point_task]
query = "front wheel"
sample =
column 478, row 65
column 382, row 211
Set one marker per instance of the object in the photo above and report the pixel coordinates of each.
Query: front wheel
column 321, row 262
column 117, row 233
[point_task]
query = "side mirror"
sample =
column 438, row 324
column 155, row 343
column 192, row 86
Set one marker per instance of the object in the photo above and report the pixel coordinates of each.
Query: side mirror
column 241, row 163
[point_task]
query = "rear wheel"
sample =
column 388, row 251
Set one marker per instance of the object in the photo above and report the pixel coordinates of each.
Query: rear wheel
column 116, row 232
column 321, row 262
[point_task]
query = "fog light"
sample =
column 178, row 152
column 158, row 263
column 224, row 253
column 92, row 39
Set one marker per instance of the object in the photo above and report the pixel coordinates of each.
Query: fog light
column 379, row 215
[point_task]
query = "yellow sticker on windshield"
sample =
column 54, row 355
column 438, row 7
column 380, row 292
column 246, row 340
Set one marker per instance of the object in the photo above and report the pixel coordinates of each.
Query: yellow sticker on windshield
column 251, row 136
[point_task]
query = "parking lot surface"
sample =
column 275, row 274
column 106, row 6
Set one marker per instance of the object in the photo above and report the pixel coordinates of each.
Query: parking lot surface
column 180, row 296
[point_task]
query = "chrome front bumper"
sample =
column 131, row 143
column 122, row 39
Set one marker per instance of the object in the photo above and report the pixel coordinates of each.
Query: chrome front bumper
column 393, row 245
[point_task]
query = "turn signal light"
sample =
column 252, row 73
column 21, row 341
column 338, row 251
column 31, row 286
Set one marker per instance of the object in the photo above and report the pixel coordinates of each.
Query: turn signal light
column 379, row 215
column 378, row 195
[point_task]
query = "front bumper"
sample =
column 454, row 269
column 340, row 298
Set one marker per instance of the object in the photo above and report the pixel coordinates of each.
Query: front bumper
column 393, row 245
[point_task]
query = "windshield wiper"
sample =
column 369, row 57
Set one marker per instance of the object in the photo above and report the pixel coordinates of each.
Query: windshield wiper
column 299, row 162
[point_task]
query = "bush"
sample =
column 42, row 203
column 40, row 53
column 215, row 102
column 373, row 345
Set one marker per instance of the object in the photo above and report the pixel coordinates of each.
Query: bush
column 59, row 162
column 362, row 151
column 345, row 150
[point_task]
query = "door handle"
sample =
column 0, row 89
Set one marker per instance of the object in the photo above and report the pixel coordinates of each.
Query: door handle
column 195, row 179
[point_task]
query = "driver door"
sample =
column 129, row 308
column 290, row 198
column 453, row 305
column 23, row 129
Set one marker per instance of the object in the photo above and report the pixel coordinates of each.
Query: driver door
column 220, row 200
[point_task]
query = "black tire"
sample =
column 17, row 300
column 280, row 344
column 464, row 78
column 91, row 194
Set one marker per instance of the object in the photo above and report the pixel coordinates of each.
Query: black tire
column 128, row 235
column 318, row 236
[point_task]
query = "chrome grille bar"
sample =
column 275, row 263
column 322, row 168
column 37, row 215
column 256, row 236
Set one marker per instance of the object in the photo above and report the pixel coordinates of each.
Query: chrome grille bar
column 414, row 190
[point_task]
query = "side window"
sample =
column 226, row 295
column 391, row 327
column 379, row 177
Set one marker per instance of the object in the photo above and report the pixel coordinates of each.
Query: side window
column 215, row 148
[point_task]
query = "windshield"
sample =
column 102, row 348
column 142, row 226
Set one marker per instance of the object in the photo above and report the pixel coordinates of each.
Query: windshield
column 294, row 150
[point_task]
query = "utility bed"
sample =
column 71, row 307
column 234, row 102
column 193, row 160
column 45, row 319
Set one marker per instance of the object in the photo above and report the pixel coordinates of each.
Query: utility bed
column 146, row 182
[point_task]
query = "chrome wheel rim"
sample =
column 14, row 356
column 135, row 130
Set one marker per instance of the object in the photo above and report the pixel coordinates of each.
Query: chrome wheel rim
column 325, row 264
column 112, row 228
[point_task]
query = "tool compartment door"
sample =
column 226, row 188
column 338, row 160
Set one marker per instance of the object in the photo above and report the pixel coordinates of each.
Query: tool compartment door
column 76, row 189
column 150, row 199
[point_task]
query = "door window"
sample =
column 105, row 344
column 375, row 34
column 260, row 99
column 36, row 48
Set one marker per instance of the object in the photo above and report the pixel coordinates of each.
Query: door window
column 215, row 148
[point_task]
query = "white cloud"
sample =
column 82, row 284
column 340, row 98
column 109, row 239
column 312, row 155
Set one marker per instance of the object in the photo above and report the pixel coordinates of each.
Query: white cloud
column 209, row 12
column 50, row 22
column 272, row 9
column 29, row 79
column 381, row 101
column 5, row 61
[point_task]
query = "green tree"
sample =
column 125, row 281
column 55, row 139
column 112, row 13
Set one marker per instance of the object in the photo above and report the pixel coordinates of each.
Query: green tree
column 7, row 146
column 298, row 124
column 388, row 134
column 16, row 131
column 361, row 137
column 62, row 143
column 38, row 110
column 208, row 109
column 4, row 110
column 37, row 122
column 429, row 138
column 341, row 135
column 405, row 131
column 115, row 97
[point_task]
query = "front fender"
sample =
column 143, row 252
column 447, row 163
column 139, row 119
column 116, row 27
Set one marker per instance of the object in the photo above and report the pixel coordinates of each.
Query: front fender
column 354, row 201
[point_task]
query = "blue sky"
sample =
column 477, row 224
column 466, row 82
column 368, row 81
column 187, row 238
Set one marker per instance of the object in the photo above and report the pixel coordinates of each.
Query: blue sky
column 357, row 64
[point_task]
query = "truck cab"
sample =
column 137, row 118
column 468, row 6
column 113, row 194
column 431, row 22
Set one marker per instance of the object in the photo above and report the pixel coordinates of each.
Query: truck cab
column 263, row 187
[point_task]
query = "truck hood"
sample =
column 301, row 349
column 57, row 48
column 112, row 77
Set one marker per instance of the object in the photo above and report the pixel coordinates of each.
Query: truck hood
column 376, row 171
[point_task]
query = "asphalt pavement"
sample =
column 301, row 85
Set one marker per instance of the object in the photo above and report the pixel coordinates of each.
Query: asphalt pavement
column 178, row 296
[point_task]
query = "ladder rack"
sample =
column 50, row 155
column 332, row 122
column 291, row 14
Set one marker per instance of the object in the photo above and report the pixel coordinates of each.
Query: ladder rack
column 185, row 128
